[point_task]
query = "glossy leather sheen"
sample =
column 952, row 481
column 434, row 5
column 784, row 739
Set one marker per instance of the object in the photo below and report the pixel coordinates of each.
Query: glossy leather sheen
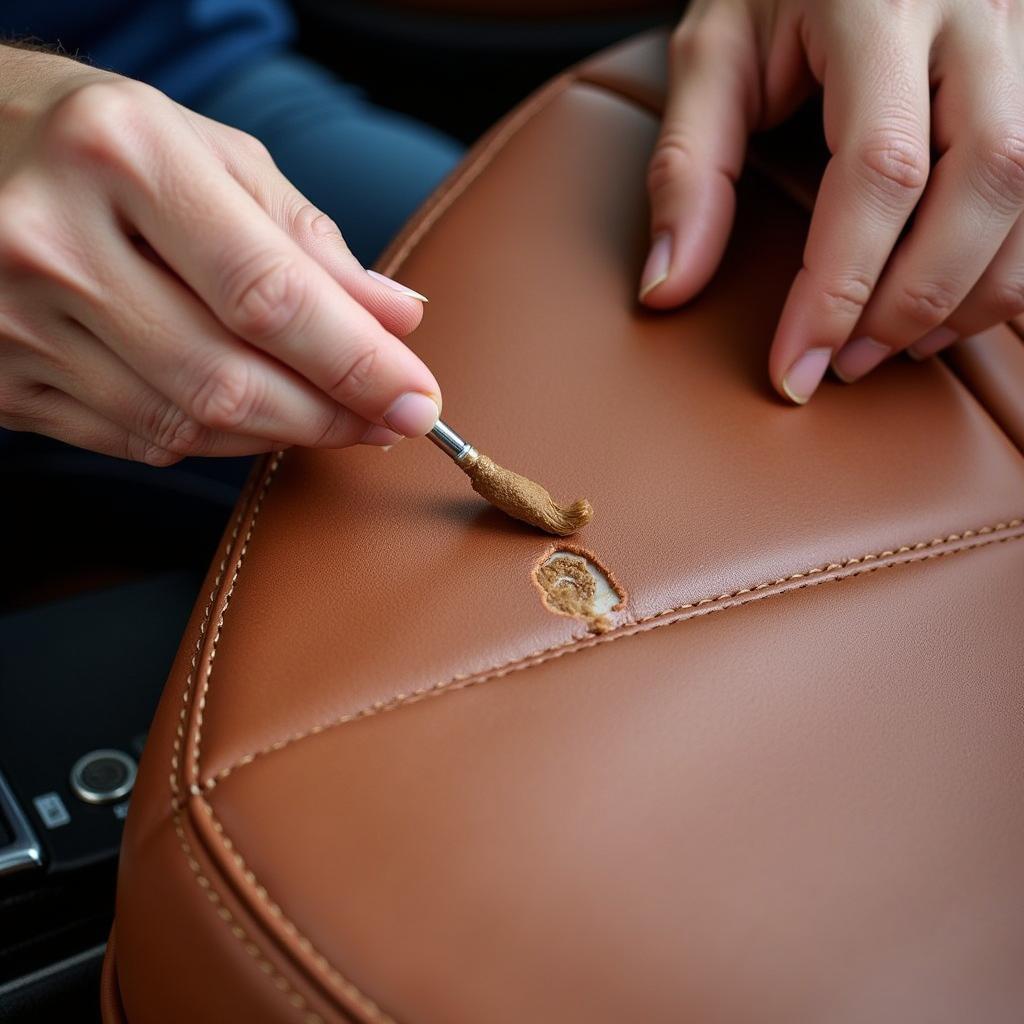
column 786, row 786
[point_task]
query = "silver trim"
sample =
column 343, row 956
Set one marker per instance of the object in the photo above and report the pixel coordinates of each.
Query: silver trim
column 102, row 796
column 456, row 447
column 24, row 851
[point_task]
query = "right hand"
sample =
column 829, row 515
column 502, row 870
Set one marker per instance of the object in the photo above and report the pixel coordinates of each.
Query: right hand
column 165, row 291
column 917, row 236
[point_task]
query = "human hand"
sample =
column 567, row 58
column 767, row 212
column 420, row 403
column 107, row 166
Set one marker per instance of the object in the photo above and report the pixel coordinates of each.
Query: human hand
column 900, row 80
column 164, row 290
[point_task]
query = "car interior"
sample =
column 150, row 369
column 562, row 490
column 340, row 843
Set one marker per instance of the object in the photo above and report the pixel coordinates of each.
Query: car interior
column 92, row 612
column 340, row 750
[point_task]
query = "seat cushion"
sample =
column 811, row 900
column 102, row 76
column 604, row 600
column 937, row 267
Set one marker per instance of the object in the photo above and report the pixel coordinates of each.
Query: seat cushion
column 389, row 782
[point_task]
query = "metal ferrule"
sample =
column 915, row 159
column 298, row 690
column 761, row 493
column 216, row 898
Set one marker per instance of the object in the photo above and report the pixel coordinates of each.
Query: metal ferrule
column 448, row 441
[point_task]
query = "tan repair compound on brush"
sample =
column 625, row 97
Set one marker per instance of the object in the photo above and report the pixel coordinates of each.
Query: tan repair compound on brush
column 573, row 582
column 523, row 498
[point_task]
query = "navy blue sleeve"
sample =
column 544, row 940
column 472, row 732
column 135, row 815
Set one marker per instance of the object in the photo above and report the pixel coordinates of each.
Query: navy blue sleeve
column 180, row 46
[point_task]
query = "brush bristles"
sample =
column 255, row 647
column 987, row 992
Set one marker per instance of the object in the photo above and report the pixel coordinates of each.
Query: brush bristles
column 523, row 499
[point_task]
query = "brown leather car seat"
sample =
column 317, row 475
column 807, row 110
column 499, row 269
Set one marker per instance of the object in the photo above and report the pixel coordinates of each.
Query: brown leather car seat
column 388, row 783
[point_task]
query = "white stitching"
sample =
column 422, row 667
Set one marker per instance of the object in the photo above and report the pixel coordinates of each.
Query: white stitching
column 627, row 628
column 281, row 983
column 346, row 987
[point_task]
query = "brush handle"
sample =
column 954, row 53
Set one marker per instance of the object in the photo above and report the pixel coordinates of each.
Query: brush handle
column 455, row 447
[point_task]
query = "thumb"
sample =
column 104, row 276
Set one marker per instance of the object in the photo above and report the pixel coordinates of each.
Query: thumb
column 712, row 100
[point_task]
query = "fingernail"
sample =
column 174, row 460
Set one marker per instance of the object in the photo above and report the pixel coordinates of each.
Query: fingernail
column 805, row 375
column 412, row 414
column 858, row 357
column 658, row 261
column 395, row 286
column 381, row 436
column 934, row 341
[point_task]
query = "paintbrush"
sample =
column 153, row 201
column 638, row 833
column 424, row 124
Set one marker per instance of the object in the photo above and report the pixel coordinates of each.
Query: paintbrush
column 515, row 495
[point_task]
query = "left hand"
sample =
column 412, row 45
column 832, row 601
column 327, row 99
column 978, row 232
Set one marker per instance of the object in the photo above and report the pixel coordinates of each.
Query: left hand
column 900, row 81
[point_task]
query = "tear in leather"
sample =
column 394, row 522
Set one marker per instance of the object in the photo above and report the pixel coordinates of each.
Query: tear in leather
column 575, row 584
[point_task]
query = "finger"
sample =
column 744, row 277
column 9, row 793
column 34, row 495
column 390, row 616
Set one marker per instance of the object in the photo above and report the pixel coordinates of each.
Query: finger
column 85, row 369
column 876, row 93
column 51, row 412
column 398, row 308
column 711, row 106
column 265, row 289
column 161, row 331
column 996, row 298
column 974, row 199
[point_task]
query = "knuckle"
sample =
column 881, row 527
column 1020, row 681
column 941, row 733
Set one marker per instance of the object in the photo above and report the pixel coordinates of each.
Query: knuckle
column 172, row 430
column 894, row 164
column 672, row 158
column 1000, row 166
column 1006, row 299
column 226, row 396
column 354, row 378
column 96, row 120
column 139, row 449
column 334, row 429
column 695, row 38
column 24, row 246
column 265, row 298
column 251, row 146
column 154, row 455
column 927, row 304
column 15, row 405
column 849, row 294
column 323, row 227
column 307, row 220
column 684, row 41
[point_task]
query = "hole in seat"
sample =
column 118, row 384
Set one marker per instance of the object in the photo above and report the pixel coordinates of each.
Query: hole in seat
column 573, row 583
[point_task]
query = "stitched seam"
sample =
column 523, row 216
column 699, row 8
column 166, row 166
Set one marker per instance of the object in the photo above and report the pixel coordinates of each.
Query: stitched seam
column 179, row 731
column 405, row 247
column 177, row 760
column 516, row 122
column 632, row 627
column 201, row 704
column 295, row 998
column 861, row 566
column 444, row 201
column 279, row 981
column 366, row 1005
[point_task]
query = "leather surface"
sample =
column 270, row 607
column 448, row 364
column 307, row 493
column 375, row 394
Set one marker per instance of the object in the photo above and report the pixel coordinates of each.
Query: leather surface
column 405, row 790
column 110, row 996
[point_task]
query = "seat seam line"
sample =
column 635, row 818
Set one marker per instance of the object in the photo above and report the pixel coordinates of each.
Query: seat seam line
column 179, row 800
column 967, row 540
column 392, row 260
